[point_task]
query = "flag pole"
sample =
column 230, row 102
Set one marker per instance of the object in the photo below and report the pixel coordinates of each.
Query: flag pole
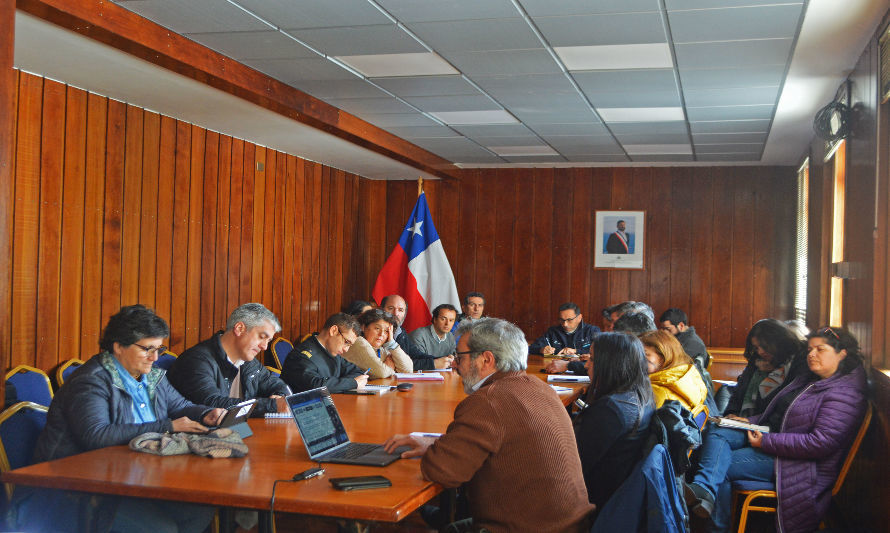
column 419, row 186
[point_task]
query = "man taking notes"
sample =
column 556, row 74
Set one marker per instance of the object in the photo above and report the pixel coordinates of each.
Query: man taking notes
column 571, row 337
column 316, row 361
column 223, row 370
column 437, row 339
column 511, row 440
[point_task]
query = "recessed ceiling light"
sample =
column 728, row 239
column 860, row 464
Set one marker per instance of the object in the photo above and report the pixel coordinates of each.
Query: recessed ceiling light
column 614, row 57
column 523, row 150
column 653, row 149
column 640, row 114
column 495, row 116
column 394, row 65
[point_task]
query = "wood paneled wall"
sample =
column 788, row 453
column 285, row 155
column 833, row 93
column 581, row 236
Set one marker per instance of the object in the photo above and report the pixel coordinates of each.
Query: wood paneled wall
column 719, row 241
column 116, row 205
column 8, row 79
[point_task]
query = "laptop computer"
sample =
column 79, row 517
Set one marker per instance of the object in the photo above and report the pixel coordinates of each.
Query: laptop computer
column 325, row 437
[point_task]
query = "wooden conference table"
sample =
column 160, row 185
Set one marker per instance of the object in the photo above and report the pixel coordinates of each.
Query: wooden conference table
column 276, row 451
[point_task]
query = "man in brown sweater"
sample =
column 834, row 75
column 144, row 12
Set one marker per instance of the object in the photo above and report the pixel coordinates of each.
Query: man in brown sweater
column 511, row 441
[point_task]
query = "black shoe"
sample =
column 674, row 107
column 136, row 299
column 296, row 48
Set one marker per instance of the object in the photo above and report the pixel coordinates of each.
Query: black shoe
column 698, row 499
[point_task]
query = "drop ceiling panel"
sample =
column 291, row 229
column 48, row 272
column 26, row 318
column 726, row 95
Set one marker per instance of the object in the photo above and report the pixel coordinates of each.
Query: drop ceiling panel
column 417, row 132
column 195, row 16
column 662, row 158
column 370, row 105
column 593, row 144
column 537, row 8
column 493, row 130
column 536, row 159
column 636, row 99
column 605, row 81
column 736, row 53
column 253, row 45
column 734, row 148
column 540, row 84
column 740, row 112
column 639, row 128
column 674, row 5
column 538, row 116
column 554, row 102
column 610, row 29
column 297, row 71
column 719, row 78
column 730, row 126
column 746, row 96
column 427, row 85
column 390, row 120
column 503, row 62
column 556, row 130
column 475, row 35
column 464, row 102
column 315, row 14
column 451, row 147
column 433, row 10
column 760, row 22
column 722, row 138
column 600, row 158
column 729, row 157
column 654, row 138
column 360, row 40
column 354, row 88
column 517, row 140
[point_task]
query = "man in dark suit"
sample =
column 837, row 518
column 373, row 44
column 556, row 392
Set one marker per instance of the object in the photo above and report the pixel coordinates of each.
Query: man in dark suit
column 316, row 361
column 618, row 242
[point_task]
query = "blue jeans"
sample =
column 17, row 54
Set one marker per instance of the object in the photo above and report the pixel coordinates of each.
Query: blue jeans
column 726, row 457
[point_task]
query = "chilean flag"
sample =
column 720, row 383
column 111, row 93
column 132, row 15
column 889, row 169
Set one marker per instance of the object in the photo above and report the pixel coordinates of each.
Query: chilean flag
column 418, row 270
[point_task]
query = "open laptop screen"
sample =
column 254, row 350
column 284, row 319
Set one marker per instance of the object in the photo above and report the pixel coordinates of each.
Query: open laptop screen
column 318, row 420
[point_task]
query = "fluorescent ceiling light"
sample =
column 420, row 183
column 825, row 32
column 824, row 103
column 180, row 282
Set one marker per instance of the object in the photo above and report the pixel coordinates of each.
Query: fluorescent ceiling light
column 523, row 150
column 394, row 65
column 616, row 57
column 641, row 114
column 495, row 116
column 653, row 149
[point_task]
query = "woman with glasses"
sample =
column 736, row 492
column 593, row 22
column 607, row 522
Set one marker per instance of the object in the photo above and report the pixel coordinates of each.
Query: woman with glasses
column 376, row 348
column 113, row 397
column 776, row 355
column 612, row 430
column 812, row 422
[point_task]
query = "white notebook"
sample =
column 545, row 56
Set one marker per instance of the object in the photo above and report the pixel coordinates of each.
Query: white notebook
column 566, row 378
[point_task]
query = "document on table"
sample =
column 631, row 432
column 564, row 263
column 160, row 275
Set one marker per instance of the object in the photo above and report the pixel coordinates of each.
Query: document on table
column 420, row 376
column 559, row 389
column 566, row 378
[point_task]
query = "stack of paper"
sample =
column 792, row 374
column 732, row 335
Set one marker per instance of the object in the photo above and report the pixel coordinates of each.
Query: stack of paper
column 567, row 378
column 421, row 376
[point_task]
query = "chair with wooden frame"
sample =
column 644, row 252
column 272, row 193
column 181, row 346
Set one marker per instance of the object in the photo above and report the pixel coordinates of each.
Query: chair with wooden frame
column 754, row 490
column 65, row 370
column 280, row 349
column 165, row 360
column 31, row 385
column 20, row 425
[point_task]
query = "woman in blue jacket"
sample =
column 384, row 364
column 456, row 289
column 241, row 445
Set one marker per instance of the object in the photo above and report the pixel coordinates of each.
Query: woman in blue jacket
column 113, row 397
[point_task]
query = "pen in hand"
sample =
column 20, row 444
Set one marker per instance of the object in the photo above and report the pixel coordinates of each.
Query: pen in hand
column 367, row 372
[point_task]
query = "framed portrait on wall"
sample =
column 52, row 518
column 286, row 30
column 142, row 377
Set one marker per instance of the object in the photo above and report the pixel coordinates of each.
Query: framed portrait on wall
column 620, row 239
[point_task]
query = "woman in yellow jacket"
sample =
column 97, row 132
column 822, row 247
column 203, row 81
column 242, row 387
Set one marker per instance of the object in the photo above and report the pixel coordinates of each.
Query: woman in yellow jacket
column 671, row 371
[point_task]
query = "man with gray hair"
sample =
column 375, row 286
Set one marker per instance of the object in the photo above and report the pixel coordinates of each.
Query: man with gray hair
column 223, row 370
column 511, row 440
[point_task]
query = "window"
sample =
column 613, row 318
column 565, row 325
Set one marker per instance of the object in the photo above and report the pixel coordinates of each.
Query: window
column 800, row 263
column 839, row 195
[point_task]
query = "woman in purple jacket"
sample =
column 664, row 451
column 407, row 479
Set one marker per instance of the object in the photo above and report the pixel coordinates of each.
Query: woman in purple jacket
column 812, row 422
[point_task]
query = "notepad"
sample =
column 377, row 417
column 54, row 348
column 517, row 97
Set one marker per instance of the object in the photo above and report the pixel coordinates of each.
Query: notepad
column 565, row 378
column 559, row 389
column 737, row 424
column 421, row 376
column 375, row 389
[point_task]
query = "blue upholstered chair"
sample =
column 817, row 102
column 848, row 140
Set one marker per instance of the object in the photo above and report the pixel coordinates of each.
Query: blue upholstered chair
column 66, row 369
column 281, row 347
column 31, row 385
column 165, row 360
column 20, row 425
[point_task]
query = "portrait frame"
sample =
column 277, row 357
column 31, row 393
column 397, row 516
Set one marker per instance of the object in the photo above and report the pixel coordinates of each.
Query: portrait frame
column 609, row 244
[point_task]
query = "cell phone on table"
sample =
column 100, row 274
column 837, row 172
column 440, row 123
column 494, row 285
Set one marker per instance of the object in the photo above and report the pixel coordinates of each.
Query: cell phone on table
column 360, row 482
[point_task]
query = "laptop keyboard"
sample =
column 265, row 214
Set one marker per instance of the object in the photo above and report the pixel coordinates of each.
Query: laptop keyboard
column 355, row 449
